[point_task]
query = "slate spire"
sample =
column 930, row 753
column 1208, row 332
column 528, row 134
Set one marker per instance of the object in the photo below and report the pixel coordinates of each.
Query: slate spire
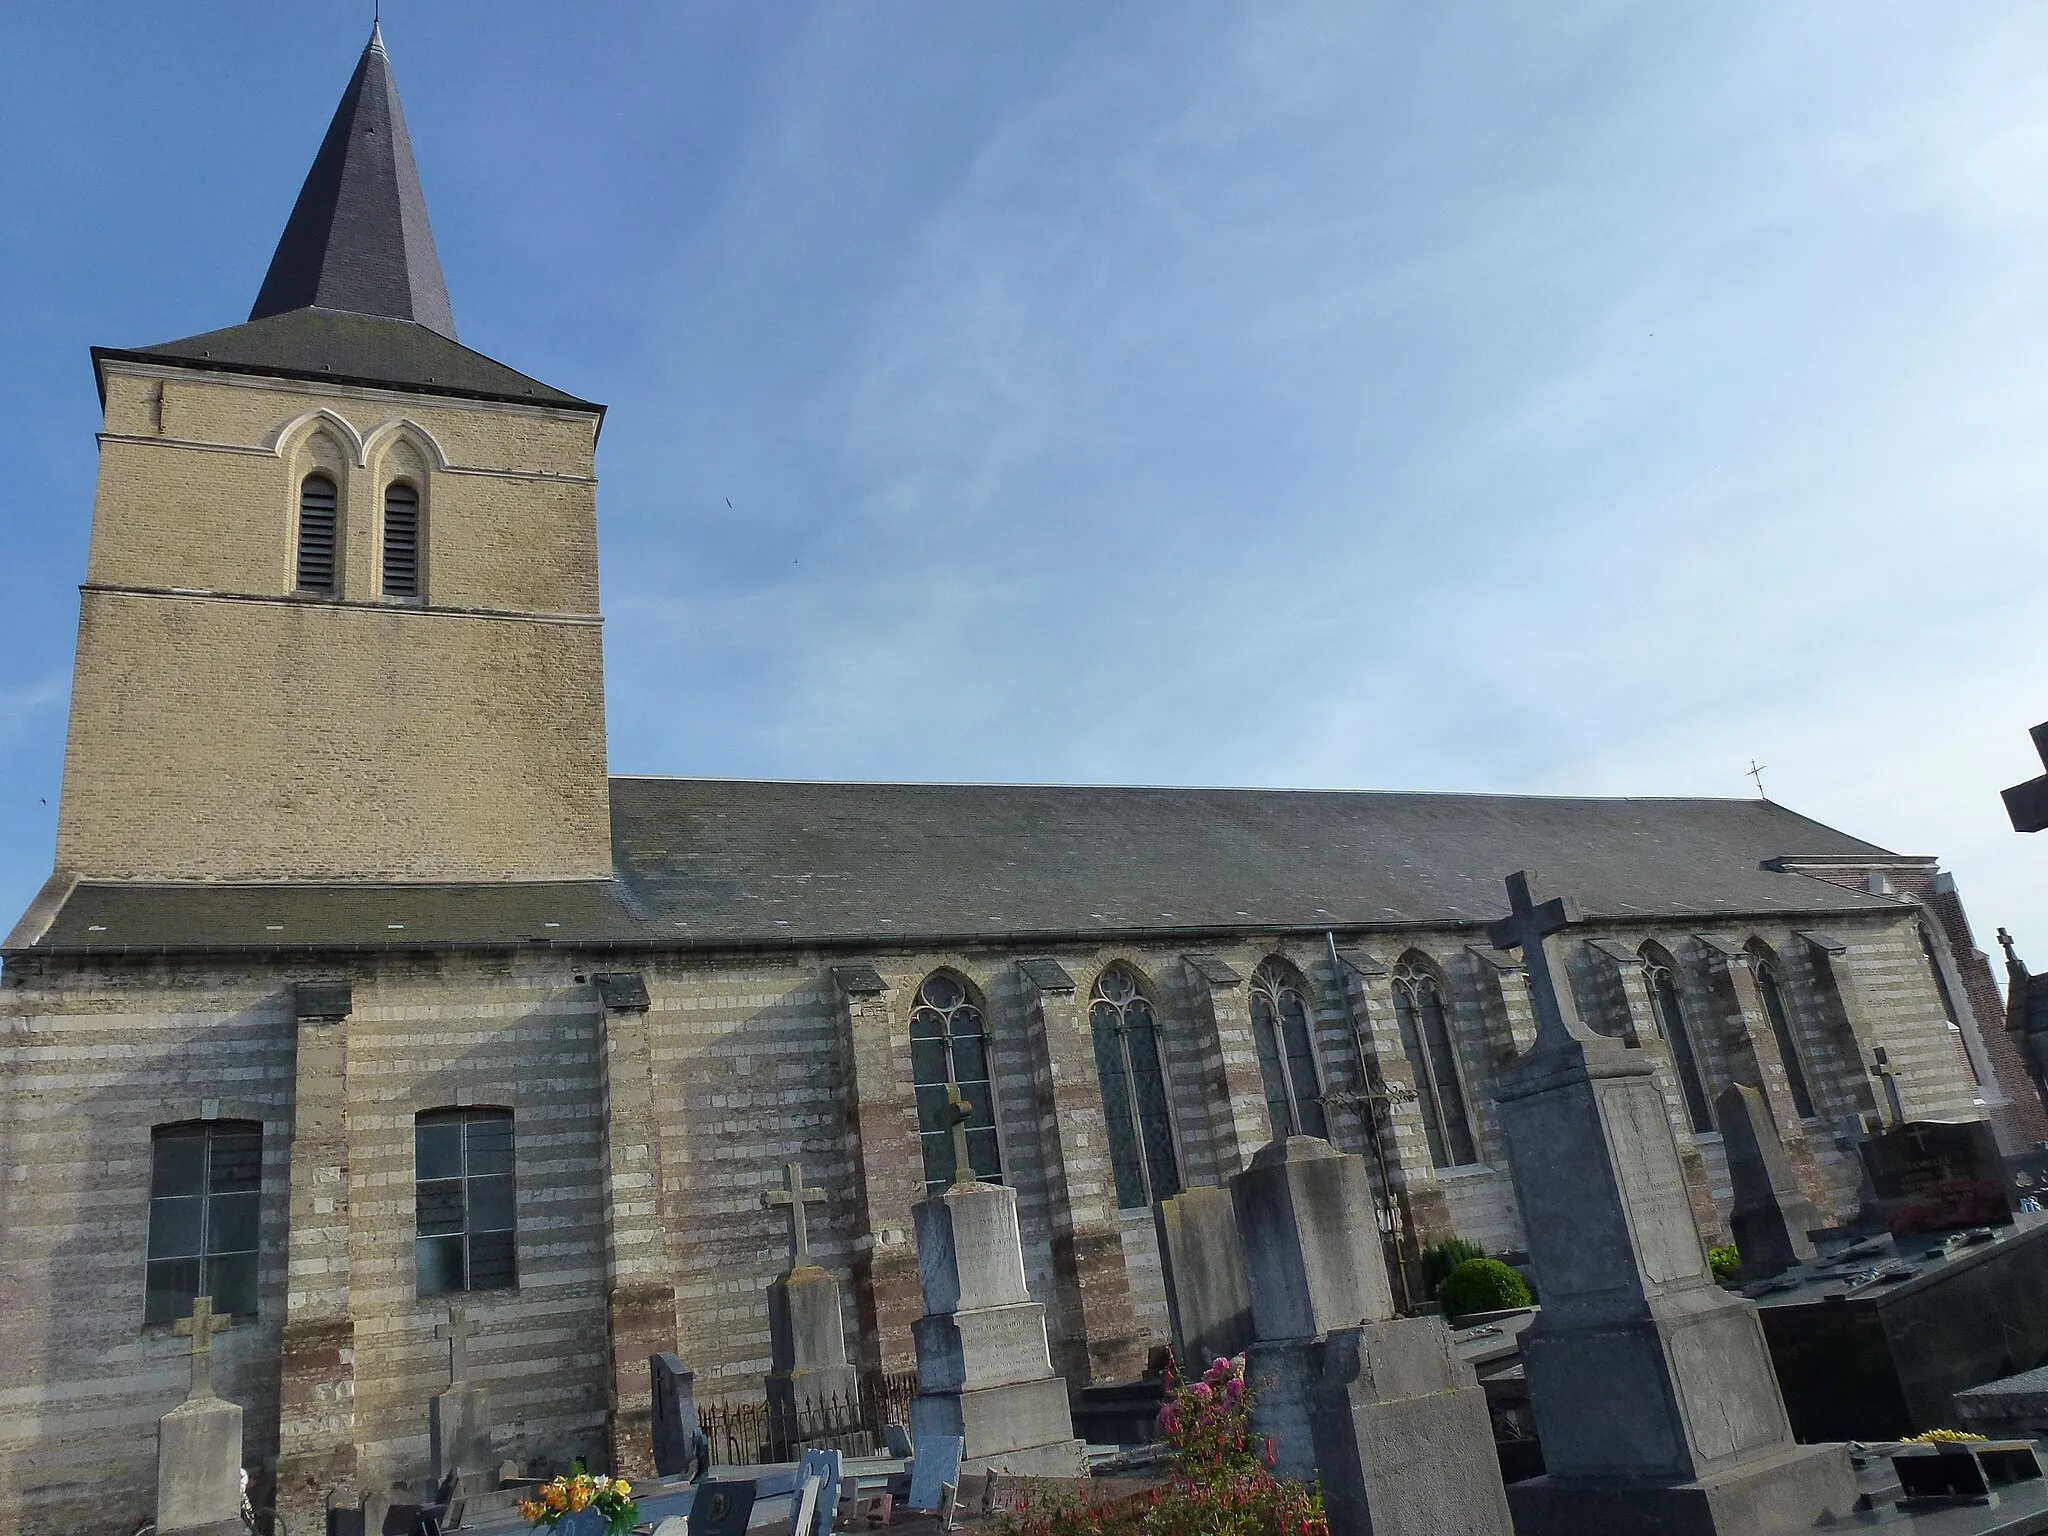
column 358, row 238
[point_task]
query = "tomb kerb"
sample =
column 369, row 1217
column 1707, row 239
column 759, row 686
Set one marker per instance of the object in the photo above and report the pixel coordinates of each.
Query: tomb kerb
column 1655, row 1401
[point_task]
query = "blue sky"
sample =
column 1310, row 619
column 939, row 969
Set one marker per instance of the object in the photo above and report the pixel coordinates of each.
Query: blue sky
column 1577, row 398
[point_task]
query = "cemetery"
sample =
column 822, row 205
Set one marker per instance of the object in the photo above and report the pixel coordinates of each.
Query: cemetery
column 1888, row 1377
column 414, row 1127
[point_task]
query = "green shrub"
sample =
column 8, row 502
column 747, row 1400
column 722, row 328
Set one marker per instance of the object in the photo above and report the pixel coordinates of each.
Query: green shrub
column 1481, row 1285
column 1723, row 1261
column 1439, row 1259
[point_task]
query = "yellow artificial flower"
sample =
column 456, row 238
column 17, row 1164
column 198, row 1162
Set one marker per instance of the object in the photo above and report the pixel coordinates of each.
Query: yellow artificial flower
column 625, row 1488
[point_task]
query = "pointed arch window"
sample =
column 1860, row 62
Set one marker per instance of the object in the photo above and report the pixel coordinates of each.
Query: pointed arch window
column 949, row 1047
column 318, row 502
column 1669, row 1013
column 1284, row 1036
column 1771, row 989
column 205, row 1186
column 1426, row 1038
column 401, row 540
column 1134, row 1099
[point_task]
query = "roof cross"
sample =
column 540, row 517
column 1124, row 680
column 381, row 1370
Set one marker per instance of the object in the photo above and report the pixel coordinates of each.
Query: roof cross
column 1525, row 928
column 200, row 1327
column 796, row 1197
column 458, row 1330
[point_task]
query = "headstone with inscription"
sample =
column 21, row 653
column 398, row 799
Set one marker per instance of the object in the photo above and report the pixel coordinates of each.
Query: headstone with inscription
column 984, row 1370
column 1653, row 1392
column 1771, row 1218
column 1207, row 1303
column 1938, row 1176
column 199, row 1445
column 806, row 1329
column 723, row 1509
column 826, row 1467
column 1348, row 1395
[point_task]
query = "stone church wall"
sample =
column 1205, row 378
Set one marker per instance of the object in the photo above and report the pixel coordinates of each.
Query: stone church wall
column 755, row 1061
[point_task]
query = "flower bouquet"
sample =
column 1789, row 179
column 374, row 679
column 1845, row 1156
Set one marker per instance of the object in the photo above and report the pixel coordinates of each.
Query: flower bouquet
column 610, row 1497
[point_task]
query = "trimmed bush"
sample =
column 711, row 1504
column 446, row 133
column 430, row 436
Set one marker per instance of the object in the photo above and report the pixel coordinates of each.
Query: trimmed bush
column 1439, row 1259
column 1481, row 1285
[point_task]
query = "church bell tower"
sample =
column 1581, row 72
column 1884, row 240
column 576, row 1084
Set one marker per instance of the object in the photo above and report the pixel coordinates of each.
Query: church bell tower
column 340, row 618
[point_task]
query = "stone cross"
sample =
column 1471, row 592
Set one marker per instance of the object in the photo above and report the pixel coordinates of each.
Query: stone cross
column 200, row 1327
column 958, row 1112
column 1525, row 928
column 457, row 1331
column 796, row 1197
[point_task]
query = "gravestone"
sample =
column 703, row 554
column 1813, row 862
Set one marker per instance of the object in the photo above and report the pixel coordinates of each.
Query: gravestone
column 1207, row 1303
column 984, row 1370
column 675, row 1428
column 723, row 1509
column 806, row 1331
column 581, row 1522
column 673, row 1525
column 936, row 1464
column 825, row 1467
column 1378, row 1409
column 1771, row 1217
column 199, row 1445
column 458, row 1417
column 1653, row 1393
column 1938, row 1176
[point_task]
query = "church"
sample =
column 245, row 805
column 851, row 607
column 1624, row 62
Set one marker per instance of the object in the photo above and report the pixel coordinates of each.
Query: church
column 360, row 987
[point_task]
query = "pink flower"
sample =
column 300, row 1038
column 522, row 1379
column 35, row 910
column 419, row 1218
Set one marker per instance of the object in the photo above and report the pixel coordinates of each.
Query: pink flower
column 1201, row 1391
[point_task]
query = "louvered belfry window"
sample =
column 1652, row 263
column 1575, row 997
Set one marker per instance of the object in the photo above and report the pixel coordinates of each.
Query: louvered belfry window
column 316, row 534
column 401, row 541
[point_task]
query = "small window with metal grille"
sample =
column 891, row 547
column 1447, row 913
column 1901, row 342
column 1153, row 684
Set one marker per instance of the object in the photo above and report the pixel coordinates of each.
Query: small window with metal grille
column 317, row 502
column 401, row 541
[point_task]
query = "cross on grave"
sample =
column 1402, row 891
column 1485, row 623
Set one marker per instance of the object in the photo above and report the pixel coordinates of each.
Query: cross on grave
column 457, row 1331
column 958, row 1112
column 1525, row 928
column 796, row 1197
column 200, row 1327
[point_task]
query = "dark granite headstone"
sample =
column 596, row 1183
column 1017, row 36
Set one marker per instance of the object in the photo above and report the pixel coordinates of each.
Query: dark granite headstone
column 723, row 1509
column 675, row 1416
column 1938, row 1176
column 1771, row 1218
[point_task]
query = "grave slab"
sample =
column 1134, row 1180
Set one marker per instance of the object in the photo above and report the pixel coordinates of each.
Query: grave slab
column 1886, row 1338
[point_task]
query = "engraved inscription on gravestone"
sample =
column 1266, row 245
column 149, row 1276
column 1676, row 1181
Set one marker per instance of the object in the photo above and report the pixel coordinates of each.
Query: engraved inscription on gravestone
column 1652, row 1187
column 1938, row 1176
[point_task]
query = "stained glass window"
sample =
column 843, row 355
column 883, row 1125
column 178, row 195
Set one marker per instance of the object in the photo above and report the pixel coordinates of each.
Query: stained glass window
column 1282, row 1033
column 1134, row 1100
column 1671, row 1024
column 1426, row 1038
column 949, row 1047
column 1772, row 992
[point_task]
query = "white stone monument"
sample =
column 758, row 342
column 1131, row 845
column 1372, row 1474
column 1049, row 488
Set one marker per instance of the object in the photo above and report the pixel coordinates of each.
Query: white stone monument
column 984, row 1370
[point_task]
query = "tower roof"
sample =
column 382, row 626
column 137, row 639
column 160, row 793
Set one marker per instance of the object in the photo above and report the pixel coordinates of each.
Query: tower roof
column 354, row 293
column 358, row 238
